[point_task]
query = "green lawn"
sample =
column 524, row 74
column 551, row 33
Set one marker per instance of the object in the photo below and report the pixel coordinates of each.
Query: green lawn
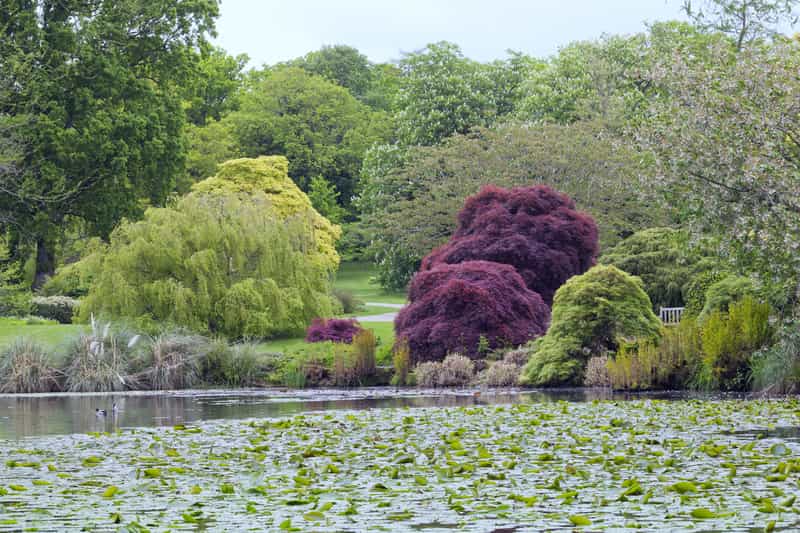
column 51, row 335
column 356, row 278
column 353, row 277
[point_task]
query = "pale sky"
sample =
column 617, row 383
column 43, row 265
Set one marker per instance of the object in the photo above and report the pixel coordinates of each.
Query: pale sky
column 270, row 31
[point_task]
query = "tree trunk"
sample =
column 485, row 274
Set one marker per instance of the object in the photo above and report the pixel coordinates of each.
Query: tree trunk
column 45, row 262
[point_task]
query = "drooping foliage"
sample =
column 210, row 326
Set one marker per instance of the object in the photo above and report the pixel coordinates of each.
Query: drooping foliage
column 220, row 263
column 453, row 307
column 535, row 229
column 269, row 175
column 666, row 260
column 591, row 313
column 333, row 329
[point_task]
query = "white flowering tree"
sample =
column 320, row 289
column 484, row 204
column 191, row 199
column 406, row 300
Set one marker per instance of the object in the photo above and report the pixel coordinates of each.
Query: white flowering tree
column 726, row 137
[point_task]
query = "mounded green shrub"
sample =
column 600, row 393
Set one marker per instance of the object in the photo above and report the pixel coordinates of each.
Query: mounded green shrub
column 591, row 313
column 269, row 175
column 58, row 308
column 218, row 263
column 665, row 260
column 75, row 279
column 723, row 293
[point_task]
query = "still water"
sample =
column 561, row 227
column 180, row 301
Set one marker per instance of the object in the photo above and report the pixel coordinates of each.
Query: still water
column 63, row 414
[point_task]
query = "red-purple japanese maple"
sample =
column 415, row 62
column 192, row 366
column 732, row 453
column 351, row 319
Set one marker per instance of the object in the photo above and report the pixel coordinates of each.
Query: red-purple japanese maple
column 535, row 229
column 332, row 329
column 452, row 306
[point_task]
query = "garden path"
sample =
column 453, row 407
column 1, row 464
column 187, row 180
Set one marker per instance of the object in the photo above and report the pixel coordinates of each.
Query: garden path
column 385, row 317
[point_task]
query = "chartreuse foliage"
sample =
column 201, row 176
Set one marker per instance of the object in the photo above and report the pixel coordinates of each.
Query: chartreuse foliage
column 269, row 175
column 222, row 263
column 640, row 465
column 591, row 313
column 723, row 293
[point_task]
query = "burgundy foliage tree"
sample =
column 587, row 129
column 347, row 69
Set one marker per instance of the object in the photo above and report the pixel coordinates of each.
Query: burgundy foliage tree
column 332, row 329
column 452, row 306
column 534, row 229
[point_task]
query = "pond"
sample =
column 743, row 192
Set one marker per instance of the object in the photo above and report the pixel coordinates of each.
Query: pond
column 333, row 461
column 61, row 414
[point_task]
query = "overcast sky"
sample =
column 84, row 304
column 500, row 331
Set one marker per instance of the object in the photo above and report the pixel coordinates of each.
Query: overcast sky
column 270, row 31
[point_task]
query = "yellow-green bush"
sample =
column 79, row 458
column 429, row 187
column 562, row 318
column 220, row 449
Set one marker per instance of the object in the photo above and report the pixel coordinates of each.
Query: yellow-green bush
column 591, row 312
column 666, row 363
column 728, row 341
column 270, row 175
column 219, row 263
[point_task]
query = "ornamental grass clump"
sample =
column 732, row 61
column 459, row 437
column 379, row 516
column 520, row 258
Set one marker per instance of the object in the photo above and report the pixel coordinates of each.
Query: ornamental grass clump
column 26, row 367
column 173, row 361
column 100, row 361
column 591, row 314
column 502, row 374
column 455, row 371
column 333, row 329
column 401, row 361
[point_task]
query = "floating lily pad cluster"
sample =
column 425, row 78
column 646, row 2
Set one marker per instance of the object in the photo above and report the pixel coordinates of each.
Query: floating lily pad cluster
column 648, row 464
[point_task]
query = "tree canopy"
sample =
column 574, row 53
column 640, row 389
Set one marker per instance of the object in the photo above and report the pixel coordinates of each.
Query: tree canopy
column 95, row 109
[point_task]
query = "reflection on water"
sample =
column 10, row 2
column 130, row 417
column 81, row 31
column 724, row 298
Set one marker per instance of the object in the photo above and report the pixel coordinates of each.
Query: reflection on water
column 32, row 415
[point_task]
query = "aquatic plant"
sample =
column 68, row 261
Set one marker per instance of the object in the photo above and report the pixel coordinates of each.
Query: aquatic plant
column 26, row 367
column 451, row 307
column 729, row 339
column 662, row 465
column 670, row 362
column 536, row 230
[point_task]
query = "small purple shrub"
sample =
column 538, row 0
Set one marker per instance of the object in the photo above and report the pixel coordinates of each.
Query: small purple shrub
column 452, row 306
column 333, row 329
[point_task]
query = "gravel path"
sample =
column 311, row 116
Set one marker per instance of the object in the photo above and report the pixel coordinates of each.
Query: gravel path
column 385, row 317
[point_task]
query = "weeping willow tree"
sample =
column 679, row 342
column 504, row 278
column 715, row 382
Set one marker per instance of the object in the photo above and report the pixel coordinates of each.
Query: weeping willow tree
column 227, row 263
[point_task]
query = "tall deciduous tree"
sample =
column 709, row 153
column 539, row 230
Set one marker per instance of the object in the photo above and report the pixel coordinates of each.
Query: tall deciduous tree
column 743, row 20
column 412, row 208
column 96, row 108
column 727, row 143
column 320, row 127
column 443, row 93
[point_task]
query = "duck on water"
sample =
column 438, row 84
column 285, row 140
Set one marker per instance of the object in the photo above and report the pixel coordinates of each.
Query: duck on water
column 103, row 412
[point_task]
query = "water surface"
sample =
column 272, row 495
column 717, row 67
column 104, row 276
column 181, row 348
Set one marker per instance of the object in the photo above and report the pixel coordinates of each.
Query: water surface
column 63, row 414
